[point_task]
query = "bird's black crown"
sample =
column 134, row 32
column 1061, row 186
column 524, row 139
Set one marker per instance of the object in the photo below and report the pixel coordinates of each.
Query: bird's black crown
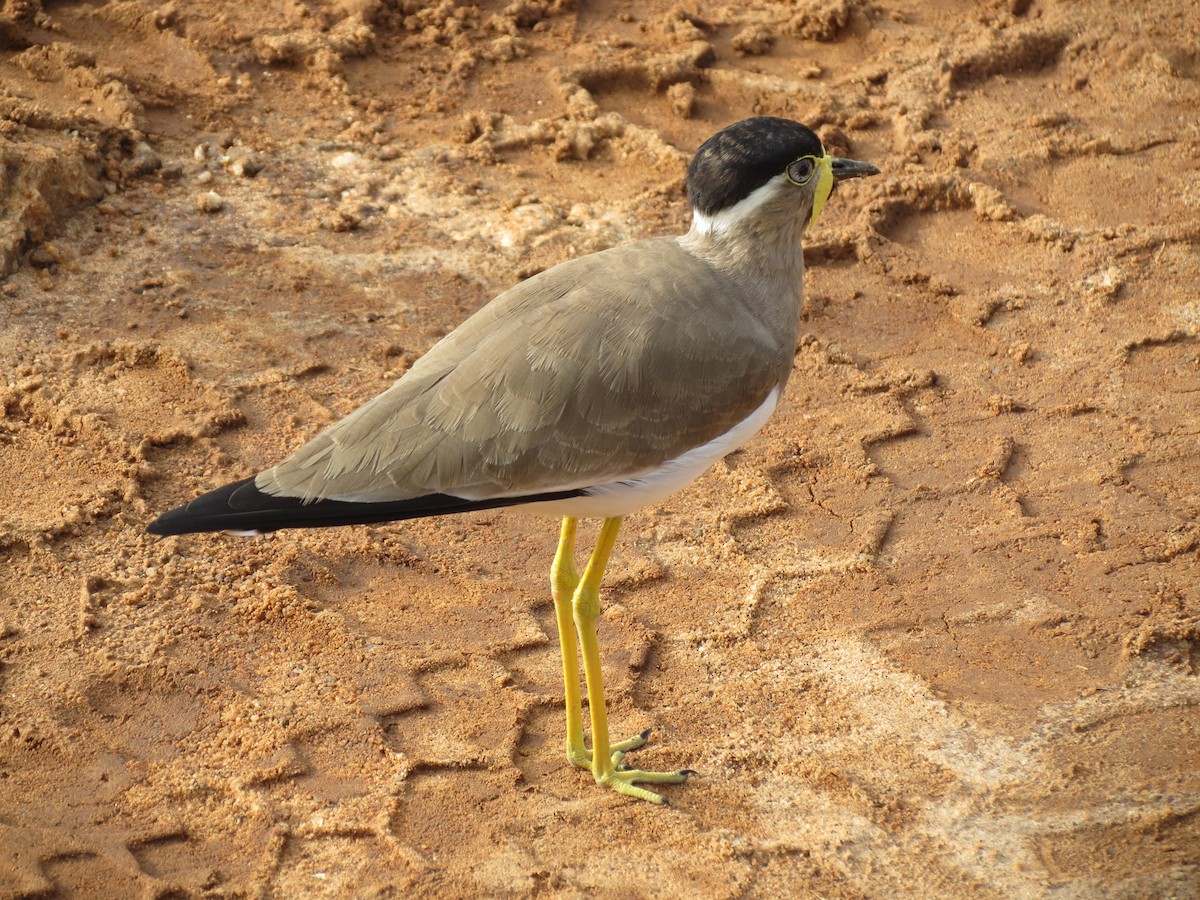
column 739, row 159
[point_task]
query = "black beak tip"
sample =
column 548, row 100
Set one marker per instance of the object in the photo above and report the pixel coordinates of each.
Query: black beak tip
column 844, row 169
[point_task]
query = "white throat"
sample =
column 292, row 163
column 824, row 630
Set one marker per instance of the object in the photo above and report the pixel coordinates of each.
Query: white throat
column 727, row 219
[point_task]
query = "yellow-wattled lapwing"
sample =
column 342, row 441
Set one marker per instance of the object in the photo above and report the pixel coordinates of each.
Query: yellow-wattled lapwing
column 599, row 386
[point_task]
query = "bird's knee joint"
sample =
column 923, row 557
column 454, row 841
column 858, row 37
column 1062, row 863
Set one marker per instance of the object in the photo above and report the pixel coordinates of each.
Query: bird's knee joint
column 586, row 605
column 563, row 582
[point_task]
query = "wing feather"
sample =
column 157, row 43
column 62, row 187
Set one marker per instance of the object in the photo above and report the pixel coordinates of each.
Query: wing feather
column 598, row 369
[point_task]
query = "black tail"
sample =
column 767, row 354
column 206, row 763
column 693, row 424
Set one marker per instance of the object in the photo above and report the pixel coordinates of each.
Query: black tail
column 243, row 507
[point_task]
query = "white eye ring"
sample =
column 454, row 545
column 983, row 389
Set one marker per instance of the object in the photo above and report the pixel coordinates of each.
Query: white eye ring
column 800, row 171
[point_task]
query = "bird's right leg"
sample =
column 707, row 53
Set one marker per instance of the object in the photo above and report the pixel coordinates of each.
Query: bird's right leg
column 564, row 579
column 607, row 767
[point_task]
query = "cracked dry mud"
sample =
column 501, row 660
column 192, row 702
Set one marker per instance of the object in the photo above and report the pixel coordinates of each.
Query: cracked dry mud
column 935, row 632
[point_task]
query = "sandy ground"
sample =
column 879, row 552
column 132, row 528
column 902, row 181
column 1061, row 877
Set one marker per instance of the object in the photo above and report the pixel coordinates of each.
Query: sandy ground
column 935, row 632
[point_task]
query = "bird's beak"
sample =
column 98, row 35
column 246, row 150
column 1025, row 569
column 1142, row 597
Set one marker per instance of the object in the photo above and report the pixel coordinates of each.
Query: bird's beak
column 834, row 170
column 851, row 168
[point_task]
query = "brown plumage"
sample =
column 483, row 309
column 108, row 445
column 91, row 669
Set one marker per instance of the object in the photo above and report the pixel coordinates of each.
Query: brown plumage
column 596, row 370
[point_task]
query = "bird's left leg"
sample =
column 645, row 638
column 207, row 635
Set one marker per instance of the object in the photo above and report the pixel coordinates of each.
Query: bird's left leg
column 564, row 579
column 606, row 759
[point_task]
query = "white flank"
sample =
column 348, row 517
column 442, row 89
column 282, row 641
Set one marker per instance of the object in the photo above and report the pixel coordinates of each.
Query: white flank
column 621, row 497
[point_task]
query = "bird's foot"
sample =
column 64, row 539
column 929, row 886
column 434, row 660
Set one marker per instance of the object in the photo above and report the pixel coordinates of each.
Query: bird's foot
column 622, row 779
column 583, row 758
column 626, row 781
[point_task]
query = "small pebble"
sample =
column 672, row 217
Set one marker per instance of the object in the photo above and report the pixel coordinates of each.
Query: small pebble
column 345, row 160
column 210, row 202
column 145, row 160
column 43, row 257
column 243, row 161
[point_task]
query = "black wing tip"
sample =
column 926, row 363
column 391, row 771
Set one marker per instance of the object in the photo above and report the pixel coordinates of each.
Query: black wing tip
column 173, row 521
column 241, row 506
column 212, row 511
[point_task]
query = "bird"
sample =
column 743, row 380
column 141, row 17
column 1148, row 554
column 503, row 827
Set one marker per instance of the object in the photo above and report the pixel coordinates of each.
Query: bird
column 594, row 388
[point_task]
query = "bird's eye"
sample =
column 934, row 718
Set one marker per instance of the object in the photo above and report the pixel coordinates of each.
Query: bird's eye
column 799, row 171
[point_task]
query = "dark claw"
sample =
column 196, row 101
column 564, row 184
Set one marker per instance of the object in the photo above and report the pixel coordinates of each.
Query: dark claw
column 645, row 735
column 687, row 772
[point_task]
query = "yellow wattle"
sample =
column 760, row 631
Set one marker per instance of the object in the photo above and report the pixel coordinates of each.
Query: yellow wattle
column 824, row 186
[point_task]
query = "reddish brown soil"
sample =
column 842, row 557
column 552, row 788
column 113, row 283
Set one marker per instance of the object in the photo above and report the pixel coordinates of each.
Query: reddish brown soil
column 935, row 632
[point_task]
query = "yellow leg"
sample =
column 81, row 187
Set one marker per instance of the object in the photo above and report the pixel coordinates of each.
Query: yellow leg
column 564, row 579
column 606, row 759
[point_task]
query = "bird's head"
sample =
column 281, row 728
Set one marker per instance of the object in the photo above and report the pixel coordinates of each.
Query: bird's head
column 765, row 173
